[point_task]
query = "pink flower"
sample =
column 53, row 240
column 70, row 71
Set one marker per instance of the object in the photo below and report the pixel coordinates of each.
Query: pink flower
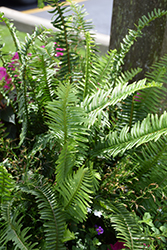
column 8, row 80
column 117, row 246
column 16, row 56
column 59, row 54
column 138, row 97
column 146, row 245
column 61, row 49
column 2, row 73
column 6, row 87
column 43, row 46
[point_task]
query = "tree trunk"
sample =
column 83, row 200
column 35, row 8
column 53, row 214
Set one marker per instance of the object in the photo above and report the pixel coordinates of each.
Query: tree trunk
column 153, row 43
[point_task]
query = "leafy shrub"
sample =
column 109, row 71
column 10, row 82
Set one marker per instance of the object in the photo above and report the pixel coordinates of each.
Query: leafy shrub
column 84, row 155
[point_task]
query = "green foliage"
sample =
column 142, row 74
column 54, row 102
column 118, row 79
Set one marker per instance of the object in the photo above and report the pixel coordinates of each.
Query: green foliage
column 50, row 212
column 6, row 183
column 125, row 225
column 85, row 133
column 12, row 229
column 76, row 192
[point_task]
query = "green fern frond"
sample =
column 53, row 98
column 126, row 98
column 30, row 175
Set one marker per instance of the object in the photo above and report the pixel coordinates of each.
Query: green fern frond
column 13, row 231
column 12, row 30
column 151, row 101
column 6, row 183
column 97, row 103
column 61, row 23
column 126, row 226
column 150, row 170
column 50, row 211
column 65, row 162
column 76, row 190
column 137, row 106
column 87, row 80
column 44, row 64
column 158, row 71
column 81, row 25
column 150, row 129
column 66, row 117
column 66, row 120
column 152, row 154
column 38, row 33
column 128, row 75
column 95, row 176
column 101, row 70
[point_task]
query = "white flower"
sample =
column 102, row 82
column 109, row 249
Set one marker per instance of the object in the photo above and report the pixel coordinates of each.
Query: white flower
column 89, row 209
column 97, row 213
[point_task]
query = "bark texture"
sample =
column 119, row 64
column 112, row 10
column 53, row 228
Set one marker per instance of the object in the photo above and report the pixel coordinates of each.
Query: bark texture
column 153, row 43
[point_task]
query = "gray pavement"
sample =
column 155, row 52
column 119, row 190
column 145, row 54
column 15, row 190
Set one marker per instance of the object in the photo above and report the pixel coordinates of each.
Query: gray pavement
column 99, row 11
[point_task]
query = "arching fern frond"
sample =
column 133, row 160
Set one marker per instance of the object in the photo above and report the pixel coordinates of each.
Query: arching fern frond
column 126, row 226
column 12, row 30
column 96, row 103
column 87, row 78
column 76, row 191
column 137, row 106
column 150, row 129
column 66, row 120
column 6, row 183
column 158, row 71
column 66, row 117
column 61, row 22
column 12, row 229
column 128, row 75
column 50, row 211
column 44, row 64
column 65, row 162
column 101, row 68
column 150, row 170
column 81, row 25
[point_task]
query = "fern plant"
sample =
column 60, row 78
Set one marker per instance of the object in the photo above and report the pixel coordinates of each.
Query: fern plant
column 88, row 133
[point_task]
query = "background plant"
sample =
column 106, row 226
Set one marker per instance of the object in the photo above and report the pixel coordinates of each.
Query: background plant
column 86, row 138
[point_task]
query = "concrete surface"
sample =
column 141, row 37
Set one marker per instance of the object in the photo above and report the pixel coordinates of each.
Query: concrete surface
column 26, row 22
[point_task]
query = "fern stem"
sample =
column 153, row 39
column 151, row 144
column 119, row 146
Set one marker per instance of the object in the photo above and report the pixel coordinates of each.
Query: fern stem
column 45, row 78
column 12, row 31
column 87, row 65
column 131, row 114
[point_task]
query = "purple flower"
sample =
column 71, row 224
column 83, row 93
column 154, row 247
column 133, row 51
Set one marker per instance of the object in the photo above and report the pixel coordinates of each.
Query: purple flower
column 99, row 230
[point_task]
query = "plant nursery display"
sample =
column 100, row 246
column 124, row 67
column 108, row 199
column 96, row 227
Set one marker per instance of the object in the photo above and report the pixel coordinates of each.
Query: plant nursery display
column 83, row 146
